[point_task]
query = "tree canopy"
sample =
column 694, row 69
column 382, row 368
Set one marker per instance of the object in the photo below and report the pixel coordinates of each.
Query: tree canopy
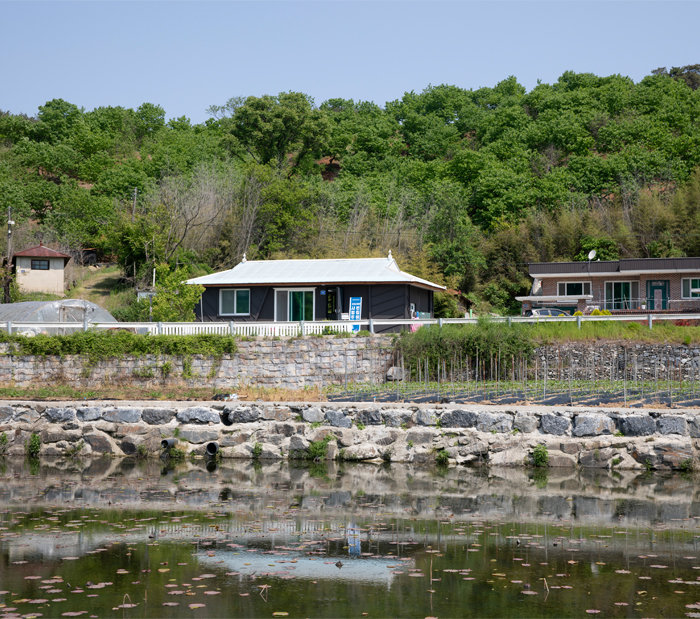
column 465, row 186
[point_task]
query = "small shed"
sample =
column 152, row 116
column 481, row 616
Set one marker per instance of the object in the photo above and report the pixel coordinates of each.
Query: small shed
column 40, row 269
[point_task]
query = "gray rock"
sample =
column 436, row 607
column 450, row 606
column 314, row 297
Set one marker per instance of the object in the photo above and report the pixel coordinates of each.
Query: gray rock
column 298, row 443
column 672, row 424
column 596, row 458
column 396, row 417
column 6, row 413
column 243, row 414
column 58, row 415
column 694, row 427
column 370, row 417
column 198, row 435
column 395, row 373
column 338, row 419
column 554, row 424
column 99, row 443
column 54, row 434
column 525, row 422
column 130, row 445
column 122, row 415
column 89, row 413
column 363, row 451
column 426, row 417
column 494, row 422
column 459, row 419
column 312, row 415
column 637, row 425
column 157, row 416
column 593, row 424
column 198, row 414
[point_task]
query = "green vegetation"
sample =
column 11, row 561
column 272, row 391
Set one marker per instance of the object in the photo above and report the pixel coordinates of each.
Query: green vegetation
column 98, row 345
column 540, row 456
column 317, row 450
column 257, row 450
column 465, row 186
column 4, row 441
column 74, row 450
column 442, row 458
column 33, row 446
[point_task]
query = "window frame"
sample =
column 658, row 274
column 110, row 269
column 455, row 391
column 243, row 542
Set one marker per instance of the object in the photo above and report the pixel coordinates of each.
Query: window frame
column 584, row 285
column 634, row 302
column 45, row 261
column 288, row 291
column 235, row 301
column 691, row 290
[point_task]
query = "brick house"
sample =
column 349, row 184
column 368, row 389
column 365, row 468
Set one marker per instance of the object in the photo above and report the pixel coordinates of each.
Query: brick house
column 628, row 285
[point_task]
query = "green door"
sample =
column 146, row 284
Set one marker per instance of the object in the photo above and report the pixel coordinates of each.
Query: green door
column 657, row 294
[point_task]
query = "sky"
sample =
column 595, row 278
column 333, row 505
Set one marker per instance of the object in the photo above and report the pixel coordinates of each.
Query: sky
column 186, row 56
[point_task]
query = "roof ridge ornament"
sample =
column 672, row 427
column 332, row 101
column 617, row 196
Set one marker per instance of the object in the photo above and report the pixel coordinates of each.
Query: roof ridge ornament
column 244, row 258
column 390, row 257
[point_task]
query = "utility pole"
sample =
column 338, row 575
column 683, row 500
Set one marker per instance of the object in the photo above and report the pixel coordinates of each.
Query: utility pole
column 7, row 275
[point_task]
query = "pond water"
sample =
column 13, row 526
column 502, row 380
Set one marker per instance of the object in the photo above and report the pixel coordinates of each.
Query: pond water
column 102, row 538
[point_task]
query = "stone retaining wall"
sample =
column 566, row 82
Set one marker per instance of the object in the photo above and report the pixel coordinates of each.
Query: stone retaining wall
column 591, row 438
column 321, row 361
column 286, row 364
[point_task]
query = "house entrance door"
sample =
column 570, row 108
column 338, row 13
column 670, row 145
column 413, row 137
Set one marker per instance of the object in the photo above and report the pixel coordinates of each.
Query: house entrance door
column 657, row 294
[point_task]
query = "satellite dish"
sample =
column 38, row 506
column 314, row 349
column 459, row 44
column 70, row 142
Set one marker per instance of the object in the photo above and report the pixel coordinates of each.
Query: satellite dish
column 591, row 254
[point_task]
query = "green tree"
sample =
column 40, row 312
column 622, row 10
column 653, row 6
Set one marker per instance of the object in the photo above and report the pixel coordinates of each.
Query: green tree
column 174, row 300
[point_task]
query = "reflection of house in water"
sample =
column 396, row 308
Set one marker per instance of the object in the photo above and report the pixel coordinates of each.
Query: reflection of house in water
column 366, row 569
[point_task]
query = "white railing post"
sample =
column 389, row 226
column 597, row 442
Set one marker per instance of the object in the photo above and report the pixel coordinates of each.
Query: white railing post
column 371, row 326
column 9, row 327
column 650, row 321
column 578, row 321
column 159, row 328
column 231, row 328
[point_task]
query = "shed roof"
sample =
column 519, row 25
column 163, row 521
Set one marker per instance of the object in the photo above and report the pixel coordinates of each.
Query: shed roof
column 314, row 272
column 40, row 251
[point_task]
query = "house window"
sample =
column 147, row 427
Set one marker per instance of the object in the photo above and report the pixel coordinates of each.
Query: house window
column 294, row 304
column 690, row 288
column 573, row 289
column 234, row 302
column 40, row 265
column 621, row 295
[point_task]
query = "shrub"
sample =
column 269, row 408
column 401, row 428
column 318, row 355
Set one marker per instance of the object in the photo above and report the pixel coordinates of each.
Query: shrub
column 257, row 450
column 317, row 449
column 540, row 456
column 442, row 457
column 578, row 313
column 33, row 446
column 3, row 443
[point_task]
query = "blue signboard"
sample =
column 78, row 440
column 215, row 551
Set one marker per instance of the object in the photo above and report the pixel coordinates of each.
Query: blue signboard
column 355, row 308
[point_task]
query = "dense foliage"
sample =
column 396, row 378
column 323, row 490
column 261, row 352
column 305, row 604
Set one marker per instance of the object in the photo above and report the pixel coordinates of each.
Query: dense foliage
column 464, row 186
column 97, row 345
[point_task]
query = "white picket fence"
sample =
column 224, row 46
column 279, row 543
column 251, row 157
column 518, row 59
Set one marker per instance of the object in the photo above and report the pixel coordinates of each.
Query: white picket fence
column 296, row 329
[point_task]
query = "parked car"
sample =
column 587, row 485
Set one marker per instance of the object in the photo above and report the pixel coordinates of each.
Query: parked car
column 547, row 311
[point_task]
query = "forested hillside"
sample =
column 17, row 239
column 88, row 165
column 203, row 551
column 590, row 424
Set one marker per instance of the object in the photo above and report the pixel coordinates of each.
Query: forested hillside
column 464, row 186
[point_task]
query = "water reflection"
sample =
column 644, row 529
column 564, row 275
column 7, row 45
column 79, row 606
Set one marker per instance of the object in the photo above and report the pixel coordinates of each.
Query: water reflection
column 585, row 497
column 341, row 540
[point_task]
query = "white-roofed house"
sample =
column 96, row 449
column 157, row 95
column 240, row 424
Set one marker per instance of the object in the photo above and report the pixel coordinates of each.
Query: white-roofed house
column 296, row 290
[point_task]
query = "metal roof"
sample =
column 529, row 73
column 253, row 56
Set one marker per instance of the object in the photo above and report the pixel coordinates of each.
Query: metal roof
column 314, row 272
column 624, row 265
column 41, row 252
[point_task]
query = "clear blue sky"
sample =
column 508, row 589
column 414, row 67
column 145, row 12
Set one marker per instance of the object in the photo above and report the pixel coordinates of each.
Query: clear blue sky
column 186, row 56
